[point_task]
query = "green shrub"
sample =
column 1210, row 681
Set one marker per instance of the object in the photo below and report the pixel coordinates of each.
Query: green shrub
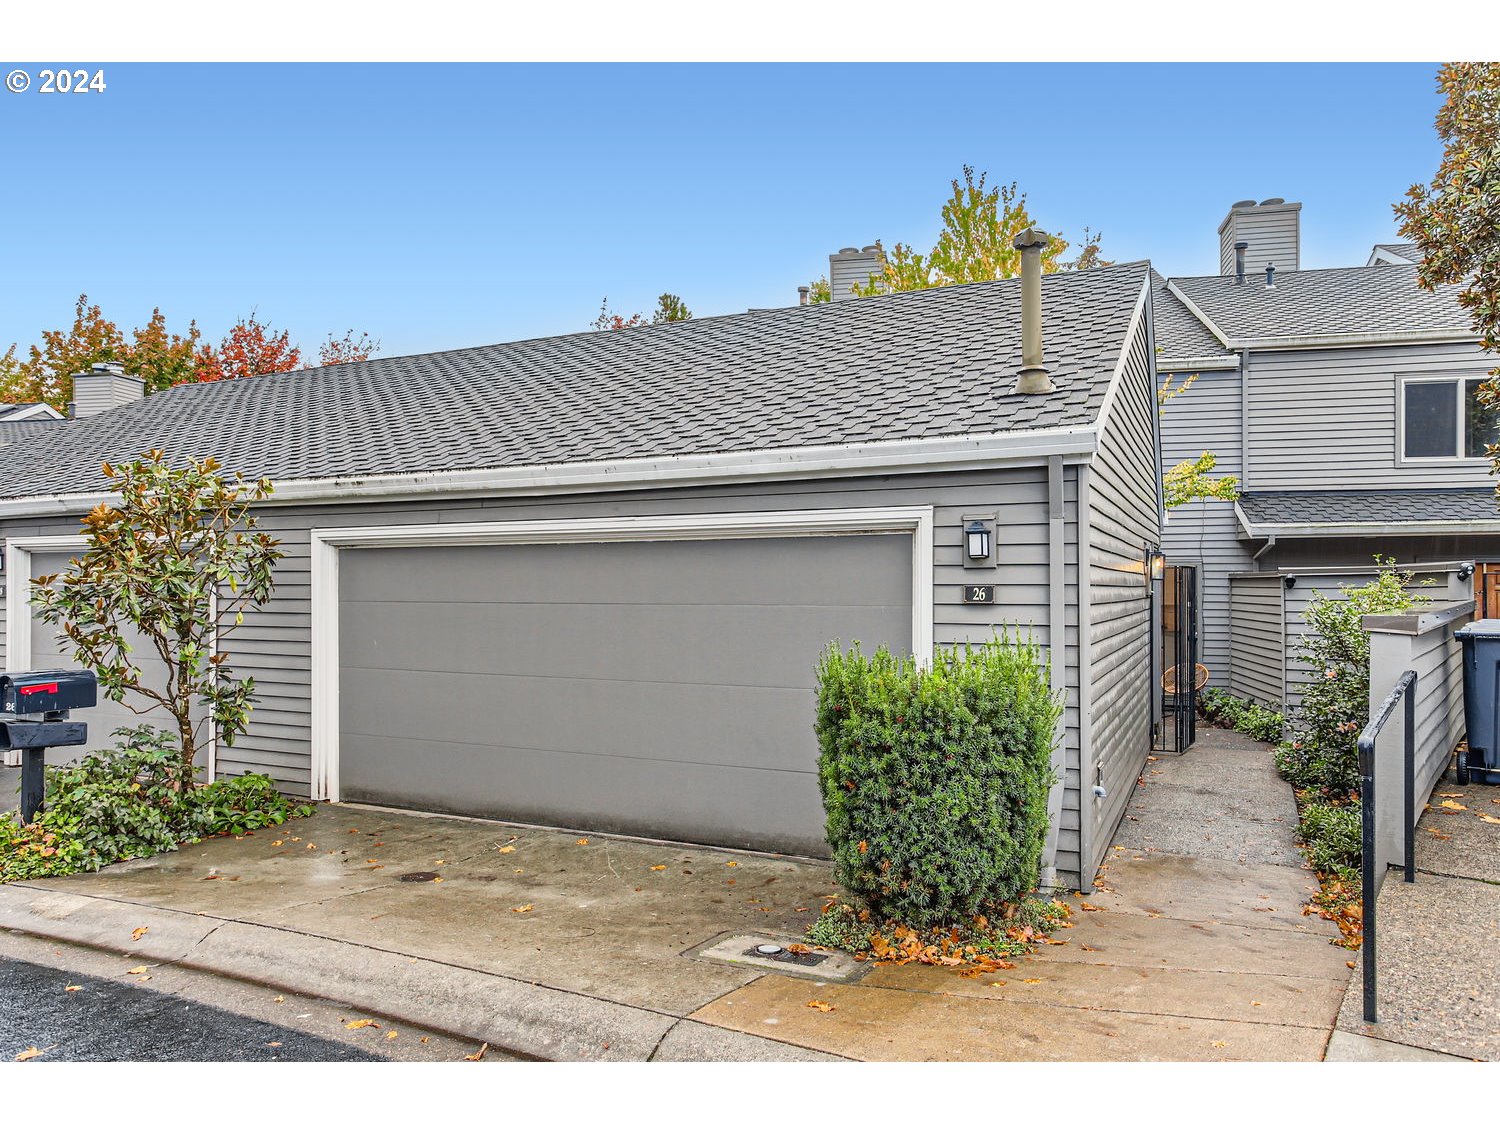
column 1264, row 724
column 127, row 802
column 1321, row 754
column 1332, row 834
column 935, row 779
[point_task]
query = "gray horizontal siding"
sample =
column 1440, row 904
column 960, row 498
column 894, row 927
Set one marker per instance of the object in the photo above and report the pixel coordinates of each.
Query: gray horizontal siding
column 1124, row 521
column 1326, row 418
column 274, row 644
column 1204, row 533
column 1257, row 659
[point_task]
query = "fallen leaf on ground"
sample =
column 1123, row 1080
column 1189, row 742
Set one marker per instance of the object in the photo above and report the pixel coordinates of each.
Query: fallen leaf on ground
column 1032, row 980
column 477, row 1055
column 820, row 1005
column 355, row 1025
column 1488, row 819
column 276, row 843
column 1219, row 1043
column 438, row 879
column 522, row 909
column 280, row 1000
column 659, row 867
column 422, row 1039
column 274, row 1043
column 584, row 842
column 391, row 1034
column 1454, row 805
column 1450, row 794
column 1090, row 906
column 74, row 988
column 732, row 863
column 1256, row 1004
column 138, row 970
column 507, row 849
column 1350, row 964
column 798, row 947
column 32, row 1053
column 135, row 934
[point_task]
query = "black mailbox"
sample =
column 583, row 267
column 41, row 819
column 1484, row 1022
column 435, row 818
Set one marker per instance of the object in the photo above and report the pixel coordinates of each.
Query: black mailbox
column 40, row 693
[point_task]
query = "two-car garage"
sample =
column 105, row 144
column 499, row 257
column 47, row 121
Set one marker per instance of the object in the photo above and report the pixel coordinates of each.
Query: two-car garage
column 658, row 686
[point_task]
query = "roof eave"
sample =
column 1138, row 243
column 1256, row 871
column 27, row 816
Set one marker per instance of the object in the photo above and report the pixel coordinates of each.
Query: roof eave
column 1386, row 527
column 1198, row 363
column 969, row 451
column 1352, row 339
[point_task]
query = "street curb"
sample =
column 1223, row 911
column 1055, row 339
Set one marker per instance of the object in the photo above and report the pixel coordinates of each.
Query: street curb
column 520, row 1017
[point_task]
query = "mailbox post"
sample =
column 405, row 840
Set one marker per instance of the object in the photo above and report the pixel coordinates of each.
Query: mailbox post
column 34, row 708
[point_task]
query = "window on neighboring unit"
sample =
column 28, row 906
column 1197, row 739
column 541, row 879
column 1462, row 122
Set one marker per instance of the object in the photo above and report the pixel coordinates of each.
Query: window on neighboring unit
column 1444, row 418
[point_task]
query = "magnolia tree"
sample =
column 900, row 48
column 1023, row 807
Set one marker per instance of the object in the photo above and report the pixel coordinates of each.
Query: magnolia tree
column 173, row 562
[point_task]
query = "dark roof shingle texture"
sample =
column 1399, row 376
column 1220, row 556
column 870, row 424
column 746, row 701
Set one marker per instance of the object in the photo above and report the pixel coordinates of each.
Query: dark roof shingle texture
column 1392, row 506
column 1325, row 302
column 1179, row 334
column 934, row 363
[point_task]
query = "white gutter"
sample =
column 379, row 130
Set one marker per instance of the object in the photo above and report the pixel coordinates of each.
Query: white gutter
column 1423, row 527
column 970, row 451
column 1355, row 339
column 1199, row 363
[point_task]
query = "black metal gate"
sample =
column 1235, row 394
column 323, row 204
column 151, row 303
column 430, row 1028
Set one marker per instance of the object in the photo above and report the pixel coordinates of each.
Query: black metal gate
column 1179, row 647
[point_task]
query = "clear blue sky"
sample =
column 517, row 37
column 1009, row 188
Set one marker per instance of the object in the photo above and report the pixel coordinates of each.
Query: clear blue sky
column 445, row 206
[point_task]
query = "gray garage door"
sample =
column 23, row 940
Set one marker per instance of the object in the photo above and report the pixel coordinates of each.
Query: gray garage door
column 48, row 650
column 656, row 689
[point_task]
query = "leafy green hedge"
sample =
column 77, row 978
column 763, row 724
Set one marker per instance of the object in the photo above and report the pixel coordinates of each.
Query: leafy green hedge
column 129, row 802
column 1333, row 835
column 935, row 779
column 1253, row 719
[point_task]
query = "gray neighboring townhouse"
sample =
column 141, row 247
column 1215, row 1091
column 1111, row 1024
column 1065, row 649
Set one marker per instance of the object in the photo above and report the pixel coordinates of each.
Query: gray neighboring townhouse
column 1343, row 399
column 589, row 591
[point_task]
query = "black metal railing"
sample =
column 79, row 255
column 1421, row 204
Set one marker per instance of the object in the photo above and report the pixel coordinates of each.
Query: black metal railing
column 1405, row 689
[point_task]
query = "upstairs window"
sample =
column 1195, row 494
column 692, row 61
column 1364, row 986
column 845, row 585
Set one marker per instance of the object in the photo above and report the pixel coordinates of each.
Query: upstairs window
column 1444, row 418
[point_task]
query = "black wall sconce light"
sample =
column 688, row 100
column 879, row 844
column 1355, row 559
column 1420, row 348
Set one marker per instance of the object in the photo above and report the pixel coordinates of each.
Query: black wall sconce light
column 1156, row 565
column 979, row 540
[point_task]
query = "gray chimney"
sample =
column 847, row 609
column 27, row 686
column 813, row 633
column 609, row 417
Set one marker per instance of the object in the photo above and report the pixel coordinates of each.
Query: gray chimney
column 1271, row 230
column 102, row 387
column 1033, row 379
column 1239, row 262
column 851, row 267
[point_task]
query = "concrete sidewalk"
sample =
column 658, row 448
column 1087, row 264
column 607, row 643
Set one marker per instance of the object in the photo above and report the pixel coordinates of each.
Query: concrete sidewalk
column 1438, row 987
column 549, row 947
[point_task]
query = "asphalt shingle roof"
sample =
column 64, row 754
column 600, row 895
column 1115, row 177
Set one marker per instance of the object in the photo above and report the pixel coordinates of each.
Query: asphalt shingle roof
column 1179, row 334
column 1392, row 506
column 933, row 363
column 1407, row 250
column 25, row 431
column 1325, row 302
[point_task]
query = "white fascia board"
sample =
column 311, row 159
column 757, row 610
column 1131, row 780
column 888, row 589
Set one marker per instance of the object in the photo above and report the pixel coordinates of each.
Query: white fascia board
column 1199, row 313
column 1198, row 363
column 970, row 451
column 1355, row 339
column 1112, row 391
column 34, row 411
column 1315, row 530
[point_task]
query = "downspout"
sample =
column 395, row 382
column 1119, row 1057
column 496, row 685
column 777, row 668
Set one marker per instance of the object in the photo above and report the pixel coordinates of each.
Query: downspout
column 1269, row 543
column 1057, row 645
column 1087, row 864
column 1244, row 419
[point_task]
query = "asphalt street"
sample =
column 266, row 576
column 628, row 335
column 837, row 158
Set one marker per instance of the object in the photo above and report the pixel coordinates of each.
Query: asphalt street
column 108, row 1021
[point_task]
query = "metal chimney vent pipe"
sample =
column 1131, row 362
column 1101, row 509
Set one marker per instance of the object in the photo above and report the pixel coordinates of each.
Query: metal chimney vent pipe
column 1239, row 262
column 1033, row 379
column 1270, row 275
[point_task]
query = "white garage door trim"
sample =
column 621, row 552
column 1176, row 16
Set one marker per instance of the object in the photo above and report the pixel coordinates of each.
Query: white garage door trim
column 327, row 542
column 19, row 616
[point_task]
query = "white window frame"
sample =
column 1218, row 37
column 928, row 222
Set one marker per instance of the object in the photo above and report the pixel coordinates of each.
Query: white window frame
column 1402, row 382
column 20, row 616
column 328, row 542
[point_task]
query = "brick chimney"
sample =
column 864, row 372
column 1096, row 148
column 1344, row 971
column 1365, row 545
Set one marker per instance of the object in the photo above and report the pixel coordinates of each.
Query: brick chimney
column 102, row 387
column 1271, row 231
column 851, row 267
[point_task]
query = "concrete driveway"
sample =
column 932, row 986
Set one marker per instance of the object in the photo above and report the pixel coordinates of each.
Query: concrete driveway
column 546, row 945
